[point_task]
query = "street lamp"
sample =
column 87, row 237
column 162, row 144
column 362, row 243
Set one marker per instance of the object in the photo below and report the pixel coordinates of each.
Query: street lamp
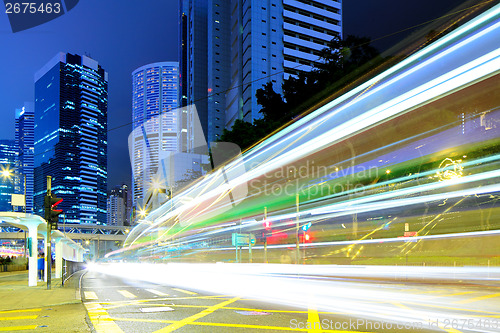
column 7, row 173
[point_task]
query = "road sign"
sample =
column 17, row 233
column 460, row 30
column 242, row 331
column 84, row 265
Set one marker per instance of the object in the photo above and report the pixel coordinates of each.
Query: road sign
column 242, row 239
column 306, row 226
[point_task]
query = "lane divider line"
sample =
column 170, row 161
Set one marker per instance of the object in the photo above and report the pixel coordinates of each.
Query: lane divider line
column 476, row 299
column 19, row 317
column 17, row 328
column 22, row 310
column 127, row 294
column 156, row 292
column 184, row 291
column 191, row 319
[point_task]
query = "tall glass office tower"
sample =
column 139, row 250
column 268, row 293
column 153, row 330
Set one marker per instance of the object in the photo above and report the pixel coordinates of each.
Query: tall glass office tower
column 25, row 142
column 71, row 102
column 157, row 122
column 8, row 160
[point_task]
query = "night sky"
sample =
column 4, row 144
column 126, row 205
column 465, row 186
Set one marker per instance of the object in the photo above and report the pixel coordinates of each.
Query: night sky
column 123, row 35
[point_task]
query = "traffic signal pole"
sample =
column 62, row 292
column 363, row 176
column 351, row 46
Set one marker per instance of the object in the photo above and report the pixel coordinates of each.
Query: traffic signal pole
column 48, row 255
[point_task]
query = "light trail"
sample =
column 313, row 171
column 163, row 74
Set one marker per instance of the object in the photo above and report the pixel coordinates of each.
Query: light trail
column 295, row 285
column 373, row 155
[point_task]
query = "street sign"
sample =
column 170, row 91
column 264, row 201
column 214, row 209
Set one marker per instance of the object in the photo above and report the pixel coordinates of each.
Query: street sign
column 242, row 239
column 306, row 226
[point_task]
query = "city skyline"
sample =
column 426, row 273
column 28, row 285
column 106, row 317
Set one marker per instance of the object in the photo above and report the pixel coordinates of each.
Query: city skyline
column 59, row 35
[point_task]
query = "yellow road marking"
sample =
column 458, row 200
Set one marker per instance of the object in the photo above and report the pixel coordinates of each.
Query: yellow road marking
column 100, row 319
column 199, row 323
column 90, row 295
column 451, row 308
column 156, row 292
column 480, row 298
column 120, row 304
column 402, row 306
column 127, row 294
column 23, row 310
column 399, row 305
column 18, row 317
column 164, row 299
column 195, row 317
column 17, row 328
column 184, row 291
column 313, row 319
column 455, row 294
column 252, row 309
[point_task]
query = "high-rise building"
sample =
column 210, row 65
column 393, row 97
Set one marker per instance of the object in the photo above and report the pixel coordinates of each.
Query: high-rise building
column 25, row 142
column 71, row 102
column 118, row 207
column 8, row 161
column 308, row 26
column 205, row 58
column 157, row 122
column 229, row 50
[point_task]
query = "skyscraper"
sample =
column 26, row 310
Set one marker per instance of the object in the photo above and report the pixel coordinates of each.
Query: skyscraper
column 157, row 122
column 118, row 211
column 8, row 159
column 25, row 142
column 204, row 61
column 229, row 50
column 71, row 102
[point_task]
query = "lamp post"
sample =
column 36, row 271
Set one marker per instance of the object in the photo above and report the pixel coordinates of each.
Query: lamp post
column 7, row 173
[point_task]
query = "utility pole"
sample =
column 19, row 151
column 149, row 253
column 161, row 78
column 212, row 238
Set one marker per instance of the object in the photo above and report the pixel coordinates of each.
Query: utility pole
column 265, row 237
column 297, row 252
column 48, row 255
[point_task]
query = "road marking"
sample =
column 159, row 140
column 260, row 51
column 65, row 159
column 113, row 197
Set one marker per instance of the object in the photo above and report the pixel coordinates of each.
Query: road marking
column 253, row 327
column 17, row 328
column 100, row 319
column 455, row 294
column 19, row 317
column 23, row 310
column 480, row 298
column 451, row 308
column 166, row 299
column 191, row 319
column 159, row 293
column 127, row 294
column 90, row 295
column 313, row 318
column 184, row 291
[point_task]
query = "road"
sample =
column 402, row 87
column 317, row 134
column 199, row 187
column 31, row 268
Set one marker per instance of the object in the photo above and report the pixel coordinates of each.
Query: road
column 116, row 304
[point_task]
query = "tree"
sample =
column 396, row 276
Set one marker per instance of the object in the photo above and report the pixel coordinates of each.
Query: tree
column 337, row 61
column 274, row 108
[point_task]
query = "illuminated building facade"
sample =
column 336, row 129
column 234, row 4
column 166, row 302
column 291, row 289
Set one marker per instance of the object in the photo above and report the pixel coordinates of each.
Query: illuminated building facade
column 71, row 102
column 25, row 143
column 8, row 159
column 157, row 122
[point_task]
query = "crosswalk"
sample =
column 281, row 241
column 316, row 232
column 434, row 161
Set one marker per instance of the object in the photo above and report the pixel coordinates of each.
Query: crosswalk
column 19, row 320
column 90, row 295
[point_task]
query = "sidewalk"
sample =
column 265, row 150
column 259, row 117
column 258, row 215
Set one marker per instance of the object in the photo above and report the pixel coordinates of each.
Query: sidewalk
column 58, row 310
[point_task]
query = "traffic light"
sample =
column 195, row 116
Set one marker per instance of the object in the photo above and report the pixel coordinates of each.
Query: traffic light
column 51, row 214
column 267, row 224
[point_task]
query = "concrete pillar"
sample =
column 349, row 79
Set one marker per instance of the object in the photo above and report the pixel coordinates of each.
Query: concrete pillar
column 59, row 261
column 47, row 256
column 32, row 261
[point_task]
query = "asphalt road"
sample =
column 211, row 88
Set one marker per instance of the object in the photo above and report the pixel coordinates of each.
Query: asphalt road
column 116, row 304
